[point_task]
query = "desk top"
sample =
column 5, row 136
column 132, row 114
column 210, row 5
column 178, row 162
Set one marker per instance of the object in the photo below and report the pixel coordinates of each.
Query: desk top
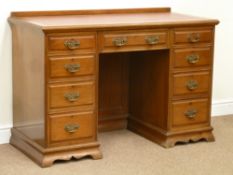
column 155, row 17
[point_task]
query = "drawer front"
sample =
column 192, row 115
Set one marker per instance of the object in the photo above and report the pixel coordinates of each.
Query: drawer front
column 133, row 40
column 193, row 36
column 190, row 112
column 192, row 57
column 71, row 126
column 70, row 95
column 71, row 66
column 190, row 83
column 81, row 42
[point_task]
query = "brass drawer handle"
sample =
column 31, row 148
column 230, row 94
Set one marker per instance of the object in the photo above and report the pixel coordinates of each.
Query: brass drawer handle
column 152, row 40
column 71, row 128
column 193, row 59
column 194, row 37
column 191, row 113
column 72, row 44
column 192, row 85
column 72, row 68
column 72, row 97
column 119, row 42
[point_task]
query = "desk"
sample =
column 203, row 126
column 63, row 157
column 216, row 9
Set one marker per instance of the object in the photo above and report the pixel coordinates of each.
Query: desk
column 77, row 72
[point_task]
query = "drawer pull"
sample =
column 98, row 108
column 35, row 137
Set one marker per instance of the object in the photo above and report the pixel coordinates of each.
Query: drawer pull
column 194, row 37
column 71, row 128
column 191, row 113
column 152, row 40
column 193, row 59
column 192, row 85
column 119, row 42
column 72, row 97
column 72, row 44
column 72, row 68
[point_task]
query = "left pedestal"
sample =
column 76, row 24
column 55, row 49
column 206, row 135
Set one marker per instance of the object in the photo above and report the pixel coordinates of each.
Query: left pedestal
column 55, row 80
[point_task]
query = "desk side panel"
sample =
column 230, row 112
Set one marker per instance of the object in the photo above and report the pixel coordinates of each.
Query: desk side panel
column 113, row 91
column 28, row 81
column 148, row 92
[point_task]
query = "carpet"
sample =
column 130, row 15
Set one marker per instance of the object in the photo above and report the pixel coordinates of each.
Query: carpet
column 126, row 153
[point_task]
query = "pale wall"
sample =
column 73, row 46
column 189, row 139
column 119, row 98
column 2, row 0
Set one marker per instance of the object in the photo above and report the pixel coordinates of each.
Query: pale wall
column 223, row 72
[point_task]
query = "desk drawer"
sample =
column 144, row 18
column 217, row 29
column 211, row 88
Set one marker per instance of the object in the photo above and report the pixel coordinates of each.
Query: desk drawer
column 71, row 66
column 191, row 83
column 192, row 57
column 66, row 127
column 190, row 112
column 133, row 40
column 193, row 36
column 81, row 42
column 70, row 95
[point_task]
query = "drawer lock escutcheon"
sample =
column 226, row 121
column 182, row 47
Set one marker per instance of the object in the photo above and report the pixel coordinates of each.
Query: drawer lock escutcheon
column 119, row 42
column 152, row 40
column 194, row 37
column 72, row 68
column 192, row 85
column 193, row 59
column 191, row 113
column 72, row 44
column 71, row 128
column 72, row 97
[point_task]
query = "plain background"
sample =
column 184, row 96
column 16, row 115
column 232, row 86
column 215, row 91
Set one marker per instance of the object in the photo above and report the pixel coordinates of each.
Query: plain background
column 223, row 66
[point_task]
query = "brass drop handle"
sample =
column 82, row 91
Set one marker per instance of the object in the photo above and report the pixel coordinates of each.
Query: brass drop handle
column 72, row 68
column 119, row 42
column 193, row 59
column 194, row 37
column 152, row 40
column 192, row 85
column 71, row 128
column 72, row 44
column 191, row 113
column 72, row 97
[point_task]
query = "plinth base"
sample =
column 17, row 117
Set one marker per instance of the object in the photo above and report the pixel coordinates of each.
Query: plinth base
column 45, row 157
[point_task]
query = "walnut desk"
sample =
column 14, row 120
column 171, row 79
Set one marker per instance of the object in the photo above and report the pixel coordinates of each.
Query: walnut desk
column 77, row 72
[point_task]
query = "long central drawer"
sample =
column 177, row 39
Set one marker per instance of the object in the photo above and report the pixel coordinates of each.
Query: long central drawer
column 117, row 41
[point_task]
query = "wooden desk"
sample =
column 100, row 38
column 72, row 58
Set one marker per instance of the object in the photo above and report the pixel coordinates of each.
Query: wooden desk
column 148, row 70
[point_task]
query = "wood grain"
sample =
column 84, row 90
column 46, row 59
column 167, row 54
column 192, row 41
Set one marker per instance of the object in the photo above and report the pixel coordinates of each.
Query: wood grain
column 182, row 80
column 91, row 12
column 134, row 84
column 45, row 157
column 85, row 122
column 203, row 54
column 180, row 119
column 135, row 40
column 85, row 91
column 186, row 35
column 58, row 66
column 148, row 97
column 113, row 90
column 56, row 43
column 112, row 20
column 28, row 82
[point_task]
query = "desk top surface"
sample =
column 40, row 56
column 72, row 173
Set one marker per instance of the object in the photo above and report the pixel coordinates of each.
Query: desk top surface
column 157, row 17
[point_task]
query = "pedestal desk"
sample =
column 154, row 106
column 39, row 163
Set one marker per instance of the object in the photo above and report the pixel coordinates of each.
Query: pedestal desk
column 79, row 72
